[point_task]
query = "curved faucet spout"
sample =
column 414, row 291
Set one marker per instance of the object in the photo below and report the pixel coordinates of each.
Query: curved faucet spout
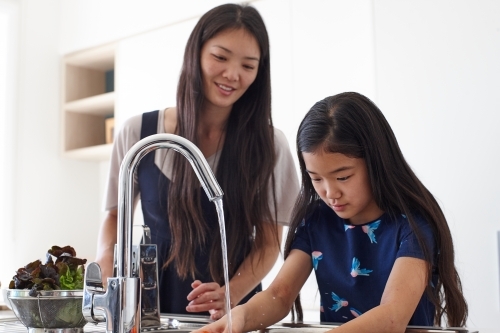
column 119, row 303
column 125, row 187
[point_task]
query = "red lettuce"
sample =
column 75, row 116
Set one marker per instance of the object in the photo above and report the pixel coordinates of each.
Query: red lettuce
column 65, row 273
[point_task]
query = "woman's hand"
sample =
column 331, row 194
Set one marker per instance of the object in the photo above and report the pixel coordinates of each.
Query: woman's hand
column 106, row 245
column 207, row 297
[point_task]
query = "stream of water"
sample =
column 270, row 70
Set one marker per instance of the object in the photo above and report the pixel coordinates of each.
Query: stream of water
column 220, row 213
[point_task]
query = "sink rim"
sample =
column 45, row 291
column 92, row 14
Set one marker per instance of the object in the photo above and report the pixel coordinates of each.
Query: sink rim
column 194, row 321
column 189, row 322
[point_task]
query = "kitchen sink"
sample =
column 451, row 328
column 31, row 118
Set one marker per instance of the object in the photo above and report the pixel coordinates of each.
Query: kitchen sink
column 182, row 324
column 319, row 328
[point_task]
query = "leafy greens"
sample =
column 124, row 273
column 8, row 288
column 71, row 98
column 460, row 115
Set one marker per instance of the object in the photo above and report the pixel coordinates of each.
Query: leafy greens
column 66, row 273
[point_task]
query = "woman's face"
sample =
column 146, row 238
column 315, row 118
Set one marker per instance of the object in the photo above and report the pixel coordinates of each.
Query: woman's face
column 229, row 65
column 343, row 184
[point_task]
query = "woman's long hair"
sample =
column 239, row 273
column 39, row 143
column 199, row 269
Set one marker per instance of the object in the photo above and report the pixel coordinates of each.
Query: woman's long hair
column 351, row 124
column 246, row 163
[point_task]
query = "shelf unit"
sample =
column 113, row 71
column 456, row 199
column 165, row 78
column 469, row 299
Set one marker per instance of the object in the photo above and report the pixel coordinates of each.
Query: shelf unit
column 88, row 99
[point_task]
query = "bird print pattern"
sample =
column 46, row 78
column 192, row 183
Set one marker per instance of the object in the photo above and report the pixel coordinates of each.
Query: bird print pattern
column 352, row 262
column 370, row 230
column 339, row 302
column 348, row 226
column 355, row 312
column 316, row 256
column 355, row 270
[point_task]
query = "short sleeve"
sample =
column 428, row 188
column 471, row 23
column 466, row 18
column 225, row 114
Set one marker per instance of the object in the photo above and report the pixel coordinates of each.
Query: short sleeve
column 286, row 180
column 129, row 134
column 409, row 246
column 302, row 238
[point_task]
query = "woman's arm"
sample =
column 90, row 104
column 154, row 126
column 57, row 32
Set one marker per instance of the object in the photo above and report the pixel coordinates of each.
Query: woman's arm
column 403, row 291
column 211, row 296
column 273, row 304
column 105, row 245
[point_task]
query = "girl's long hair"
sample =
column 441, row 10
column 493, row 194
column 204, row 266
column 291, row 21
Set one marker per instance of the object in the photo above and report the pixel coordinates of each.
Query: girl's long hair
column 246, row 163
column 351, row 124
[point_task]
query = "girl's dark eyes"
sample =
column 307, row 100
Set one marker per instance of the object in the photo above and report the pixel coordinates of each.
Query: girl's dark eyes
column 343, row 178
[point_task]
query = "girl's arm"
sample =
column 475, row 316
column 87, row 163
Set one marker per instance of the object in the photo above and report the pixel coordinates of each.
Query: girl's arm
column 403, row 291
column 273, row 304
column 211, row 296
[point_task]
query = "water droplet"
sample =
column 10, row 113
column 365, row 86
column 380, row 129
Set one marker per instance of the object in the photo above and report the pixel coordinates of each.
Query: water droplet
column 274, row 297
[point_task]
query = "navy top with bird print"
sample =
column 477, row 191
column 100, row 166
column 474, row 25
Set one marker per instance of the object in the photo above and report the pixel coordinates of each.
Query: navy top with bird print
column 352, row 263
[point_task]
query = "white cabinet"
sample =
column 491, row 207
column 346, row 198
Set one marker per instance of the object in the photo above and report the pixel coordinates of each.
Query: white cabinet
column 148, row 68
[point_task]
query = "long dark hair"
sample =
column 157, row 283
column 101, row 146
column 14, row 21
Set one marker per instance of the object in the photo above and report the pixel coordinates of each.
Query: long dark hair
column 351, row 124
column 245, row 167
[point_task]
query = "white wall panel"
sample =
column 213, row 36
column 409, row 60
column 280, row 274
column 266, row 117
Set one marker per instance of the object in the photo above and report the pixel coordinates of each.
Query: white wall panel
column 93, row 22
column 438, row 82
column 56, row 200
column 332, row 52
column 148, row 68
column 9, row 39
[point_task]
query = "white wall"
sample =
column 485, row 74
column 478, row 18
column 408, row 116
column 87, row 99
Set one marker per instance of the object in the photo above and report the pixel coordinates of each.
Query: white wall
column 438, row 82
column 55, row 200
column 432, row 67
column 9, row 23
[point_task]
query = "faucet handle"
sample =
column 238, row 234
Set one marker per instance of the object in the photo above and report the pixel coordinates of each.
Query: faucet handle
column 93, row 278
column 92, row 285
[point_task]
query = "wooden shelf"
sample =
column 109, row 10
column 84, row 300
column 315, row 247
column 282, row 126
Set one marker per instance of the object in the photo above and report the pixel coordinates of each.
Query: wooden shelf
column 88, row 99
column 102, row 104
column 94, row 153
column 100, row 58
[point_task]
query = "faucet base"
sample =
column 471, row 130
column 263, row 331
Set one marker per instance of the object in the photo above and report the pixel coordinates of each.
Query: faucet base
column 147, row 264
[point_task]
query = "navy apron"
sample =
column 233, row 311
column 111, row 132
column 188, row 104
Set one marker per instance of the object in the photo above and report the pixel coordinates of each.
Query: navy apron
column 153, row 187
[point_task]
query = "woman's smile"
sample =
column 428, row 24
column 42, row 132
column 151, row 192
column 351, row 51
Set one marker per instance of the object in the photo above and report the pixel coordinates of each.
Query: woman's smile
column 225, row 90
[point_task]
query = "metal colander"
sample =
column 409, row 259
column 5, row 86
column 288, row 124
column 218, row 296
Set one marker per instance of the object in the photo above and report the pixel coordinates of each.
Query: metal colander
column 56, row 309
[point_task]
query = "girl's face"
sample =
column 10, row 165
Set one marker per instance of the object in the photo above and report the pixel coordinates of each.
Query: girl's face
column 342, row 183
column 229, row 65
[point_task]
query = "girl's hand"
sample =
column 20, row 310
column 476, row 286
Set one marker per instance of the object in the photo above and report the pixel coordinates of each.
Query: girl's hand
column 220, row 326
column 207, row 297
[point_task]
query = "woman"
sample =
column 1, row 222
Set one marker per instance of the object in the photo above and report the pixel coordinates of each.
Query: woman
column 227, row 59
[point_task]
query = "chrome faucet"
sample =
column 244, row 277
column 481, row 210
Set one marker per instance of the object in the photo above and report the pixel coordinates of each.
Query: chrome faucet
column 119, row 304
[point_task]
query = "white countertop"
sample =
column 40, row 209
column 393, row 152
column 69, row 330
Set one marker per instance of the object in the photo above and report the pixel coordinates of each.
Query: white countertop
column 309, row 317
column 6, row 314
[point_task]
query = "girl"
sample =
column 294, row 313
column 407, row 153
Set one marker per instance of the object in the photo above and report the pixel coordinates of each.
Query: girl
column 224, row 107
column 376, row 238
